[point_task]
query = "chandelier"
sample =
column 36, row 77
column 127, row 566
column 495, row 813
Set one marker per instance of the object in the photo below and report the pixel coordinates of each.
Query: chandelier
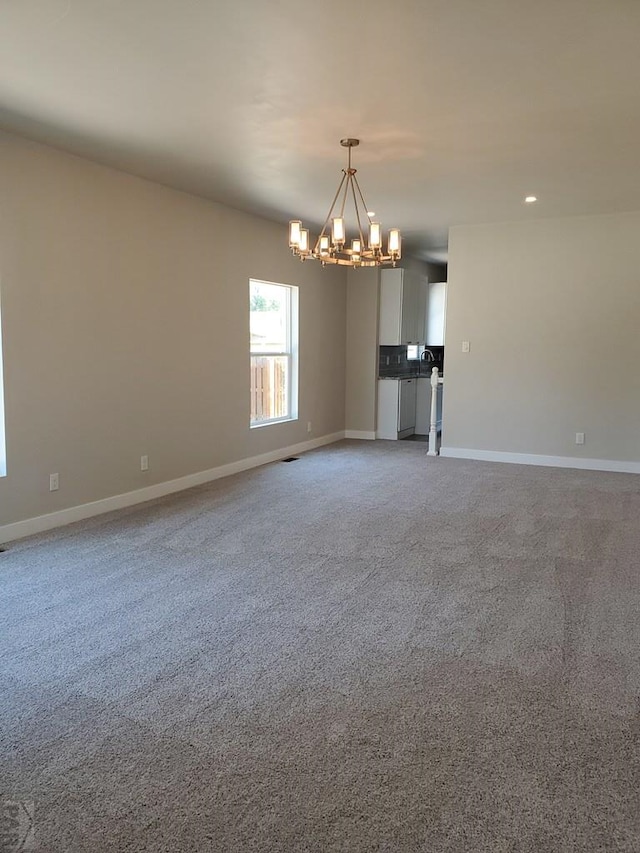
column 331, row 246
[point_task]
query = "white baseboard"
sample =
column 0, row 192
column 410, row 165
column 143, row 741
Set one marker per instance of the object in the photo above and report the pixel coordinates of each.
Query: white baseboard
column 616, row 465
column 39, row 524
column 359, row 433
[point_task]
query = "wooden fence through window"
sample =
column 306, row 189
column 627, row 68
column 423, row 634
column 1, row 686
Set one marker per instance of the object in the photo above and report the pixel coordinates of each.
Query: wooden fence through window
column 268, row 387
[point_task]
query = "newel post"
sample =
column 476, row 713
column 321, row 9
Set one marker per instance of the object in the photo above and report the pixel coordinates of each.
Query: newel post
column 433, row 430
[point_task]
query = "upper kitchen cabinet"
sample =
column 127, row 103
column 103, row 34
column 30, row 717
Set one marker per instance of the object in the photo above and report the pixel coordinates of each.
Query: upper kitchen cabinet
column 436, row 308
column 402, row 315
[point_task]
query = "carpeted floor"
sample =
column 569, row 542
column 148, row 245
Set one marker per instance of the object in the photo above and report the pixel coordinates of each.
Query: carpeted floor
column 363, row 650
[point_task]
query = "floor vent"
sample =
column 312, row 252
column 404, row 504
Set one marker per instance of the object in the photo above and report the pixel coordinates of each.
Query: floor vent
column 291, row 459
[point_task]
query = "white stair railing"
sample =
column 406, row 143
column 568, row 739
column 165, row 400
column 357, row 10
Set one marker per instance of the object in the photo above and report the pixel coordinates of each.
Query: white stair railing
column 433, row 425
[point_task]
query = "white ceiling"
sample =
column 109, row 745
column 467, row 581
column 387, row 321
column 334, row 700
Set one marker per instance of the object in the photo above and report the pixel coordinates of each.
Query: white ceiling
column 463, row 107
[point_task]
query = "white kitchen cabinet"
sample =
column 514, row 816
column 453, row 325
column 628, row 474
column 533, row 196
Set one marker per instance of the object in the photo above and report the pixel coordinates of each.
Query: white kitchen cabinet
column 439, row 408
column 423, row 306
column 423, row 406
column 396, row 408
column 401, row 317
column 407, row 417
column 409, row 308
column 436, row 312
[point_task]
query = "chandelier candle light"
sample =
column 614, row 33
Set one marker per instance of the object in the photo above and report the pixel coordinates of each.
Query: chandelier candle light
column 330, row 247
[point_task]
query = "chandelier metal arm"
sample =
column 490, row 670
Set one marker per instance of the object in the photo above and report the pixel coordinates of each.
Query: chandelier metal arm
column 364, row 204
column 333, row 204
column 347, row 175
column 355, row 204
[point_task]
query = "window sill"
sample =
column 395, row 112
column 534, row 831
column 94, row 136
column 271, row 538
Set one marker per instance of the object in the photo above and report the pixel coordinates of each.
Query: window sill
column 272, row 422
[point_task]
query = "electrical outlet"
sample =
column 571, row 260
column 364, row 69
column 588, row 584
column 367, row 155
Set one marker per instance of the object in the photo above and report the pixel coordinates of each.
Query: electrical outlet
column 54, row 482
column 466, row 346
column 579, row 438
column 144, row 463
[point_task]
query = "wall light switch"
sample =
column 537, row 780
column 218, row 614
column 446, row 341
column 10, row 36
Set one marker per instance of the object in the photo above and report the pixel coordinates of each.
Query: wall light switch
column 579, row 438
column 144, row 463
column 54, row 482
column 466, row 346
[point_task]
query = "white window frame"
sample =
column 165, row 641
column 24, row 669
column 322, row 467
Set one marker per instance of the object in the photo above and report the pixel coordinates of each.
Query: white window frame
column 290, row 352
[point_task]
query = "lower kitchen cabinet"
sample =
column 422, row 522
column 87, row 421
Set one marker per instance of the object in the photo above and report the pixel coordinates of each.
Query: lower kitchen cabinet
column 423, row 406
column 407, row 418
column 396, row 408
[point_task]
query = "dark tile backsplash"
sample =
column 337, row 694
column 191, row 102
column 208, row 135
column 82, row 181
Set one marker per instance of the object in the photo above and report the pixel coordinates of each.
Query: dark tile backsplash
column 438, row 354
column 393, row 361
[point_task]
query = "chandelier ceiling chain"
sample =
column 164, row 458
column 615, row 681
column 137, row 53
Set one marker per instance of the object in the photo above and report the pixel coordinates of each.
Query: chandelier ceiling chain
column 330, row 247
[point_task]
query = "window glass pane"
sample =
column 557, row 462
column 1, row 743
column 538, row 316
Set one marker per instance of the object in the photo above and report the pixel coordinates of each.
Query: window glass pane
column 273, row 324
column 269, row 317
column 269, row 387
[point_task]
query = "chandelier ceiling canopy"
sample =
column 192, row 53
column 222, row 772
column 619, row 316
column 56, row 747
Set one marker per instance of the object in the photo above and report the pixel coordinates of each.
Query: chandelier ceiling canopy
column 332, row 246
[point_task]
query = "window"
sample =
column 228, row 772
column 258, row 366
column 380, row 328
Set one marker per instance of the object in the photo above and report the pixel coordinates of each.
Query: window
column 3, row 454
column 273, row 313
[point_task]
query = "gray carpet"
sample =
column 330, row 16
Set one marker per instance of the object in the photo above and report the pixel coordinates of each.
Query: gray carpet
column 363, row 650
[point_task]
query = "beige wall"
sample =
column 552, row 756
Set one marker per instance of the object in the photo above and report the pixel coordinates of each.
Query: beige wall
column 363, row 290
column 125, row 318
column 551, row 309
column 433, row 272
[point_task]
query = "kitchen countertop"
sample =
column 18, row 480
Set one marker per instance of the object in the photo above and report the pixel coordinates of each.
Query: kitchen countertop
column 397, row 376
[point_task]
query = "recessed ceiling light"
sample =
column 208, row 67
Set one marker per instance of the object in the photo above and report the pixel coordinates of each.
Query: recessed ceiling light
column 530, row 199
